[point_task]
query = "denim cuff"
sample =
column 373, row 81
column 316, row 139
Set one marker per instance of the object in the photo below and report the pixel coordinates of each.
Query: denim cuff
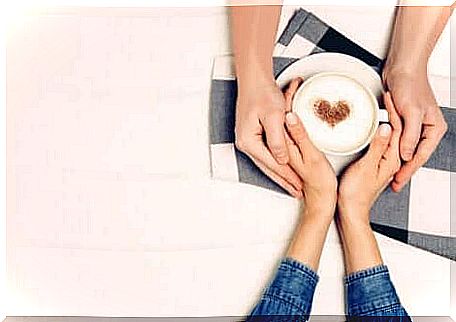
column 293, row 284
column 380, row 269
column 371, row 292
column 300, row 268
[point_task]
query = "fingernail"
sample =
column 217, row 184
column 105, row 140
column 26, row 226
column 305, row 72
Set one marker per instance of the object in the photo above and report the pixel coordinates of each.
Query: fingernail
column 291, row 119
column 385, row 130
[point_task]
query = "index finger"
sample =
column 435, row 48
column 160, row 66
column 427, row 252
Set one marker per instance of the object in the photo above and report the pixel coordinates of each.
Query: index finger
column 411, row 135
column 275, row 136
column 257, row 151
column 299, row 135
column 423, row 152
column 394, row 118
column 391, row 162
column 396, row 124
column 278, row 179
column 290, row 91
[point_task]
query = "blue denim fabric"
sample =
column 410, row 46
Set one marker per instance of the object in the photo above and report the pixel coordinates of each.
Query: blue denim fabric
column 289, row 296
column 370, row 295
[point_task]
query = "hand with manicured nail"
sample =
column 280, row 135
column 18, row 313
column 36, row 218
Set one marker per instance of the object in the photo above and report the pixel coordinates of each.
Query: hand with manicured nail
column 364, row 180
column 318, row 177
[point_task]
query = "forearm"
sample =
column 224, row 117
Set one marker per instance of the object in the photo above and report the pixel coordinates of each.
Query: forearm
column 415, row 34
column 253, row 30
column 369, row 289
column 290, row 294
column 359, row 244
column 309, row 237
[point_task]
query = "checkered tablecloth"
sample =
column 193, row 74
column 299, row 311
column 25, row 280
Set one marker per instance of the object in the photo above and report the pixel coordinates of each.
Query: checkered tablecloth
column 419, row 215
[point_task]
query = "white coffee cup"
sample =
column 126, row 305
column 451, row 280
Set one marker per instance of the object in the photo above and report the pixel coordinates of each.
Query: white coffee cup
column 361, row 95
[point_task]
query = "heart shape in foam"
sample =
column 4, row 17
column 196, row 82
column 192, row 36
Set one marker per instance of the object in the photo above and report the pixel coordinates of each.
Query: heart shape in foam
column 331, row 112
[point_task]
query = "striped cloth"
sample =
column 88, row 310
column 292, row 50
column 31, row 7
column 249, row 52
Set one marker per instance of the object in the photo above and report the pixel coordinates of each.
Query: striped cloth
column 419, row 215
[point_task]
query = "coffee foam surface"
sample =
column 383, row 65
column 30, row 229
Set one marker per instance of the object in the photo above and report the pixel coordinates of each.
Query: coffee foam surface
column 346, row 135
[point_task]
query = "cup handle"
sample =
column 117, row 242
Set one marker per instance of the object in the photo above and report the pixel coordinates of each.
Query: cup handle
column 383, row 116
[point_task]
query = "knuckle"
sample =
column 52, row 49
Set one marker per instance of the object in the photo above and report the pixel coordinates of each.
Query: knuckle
column 407, row 142
column 384, row 140
column 420, row 158
column 296, row 164
column 407, row 109
column 396, row 165
column 298, row 134
column 299, row 137
column 412, row 115
column 277, row 148
column 314, row 158
column 412, row 133
column 240, row 144
column 275, row 115
column 315, row 161
column 414, row 110
column 298, row 184
column 289, row 142
column 444, row 127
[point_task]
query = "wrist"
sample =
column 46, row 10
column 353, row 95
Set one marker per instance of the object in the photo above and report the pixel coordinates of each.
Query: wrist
column 359, row 244
column 254, row 82
column 322, row 213
column 254, row 74
column 354, row 217
column 398, row 69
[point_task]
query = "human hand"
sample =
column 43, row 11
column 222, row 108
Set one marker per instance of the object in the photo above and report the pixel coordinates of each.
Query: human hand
column 318, row 177
column 261, row 109
column 319, row 193
column 364, row 180
column 424, row 125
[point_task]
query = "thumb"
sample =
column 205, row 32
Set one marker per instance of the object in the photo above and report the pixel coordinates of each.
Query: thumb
column 410, row 136
column 379, row 144
column 290, row 92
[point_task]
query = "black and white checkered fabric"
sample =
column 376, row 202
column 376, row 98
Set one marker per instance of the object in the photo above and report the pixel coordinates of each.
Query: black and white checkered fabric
column 419, row 215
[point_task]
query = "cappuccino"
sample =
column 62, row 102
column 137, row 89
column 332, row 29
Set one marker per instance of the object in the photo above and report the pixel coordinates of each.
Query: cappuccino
column 337, row 111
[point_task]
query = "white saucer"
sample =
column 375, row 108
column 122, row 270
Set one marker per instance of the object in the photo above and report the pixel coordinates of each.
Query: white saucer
column 334, row 62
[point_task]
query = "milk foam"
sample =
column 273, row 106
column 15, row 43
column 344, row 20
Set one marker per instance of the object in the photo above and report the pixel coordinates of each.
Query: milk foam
column 346, row 135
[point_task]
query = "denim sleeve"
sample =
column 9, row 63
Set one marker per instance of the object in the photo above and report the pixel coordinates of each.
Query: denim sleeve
column 372, row 296
column 289, row 296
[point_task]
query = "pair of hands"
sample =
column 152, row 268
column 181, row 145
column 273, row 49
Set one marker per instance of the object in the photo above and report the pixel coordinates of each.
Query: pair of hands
column 261, row 108
column 361, row 183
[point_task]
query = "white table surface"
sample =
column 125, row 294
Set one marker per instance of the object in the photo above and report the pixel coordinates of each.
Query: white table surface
column 111, row 211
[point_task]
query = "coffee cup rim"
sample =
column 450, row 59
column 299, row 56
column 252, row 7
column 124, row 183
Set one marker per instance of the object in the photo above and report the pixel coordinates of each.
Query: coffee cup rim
column 375, row 123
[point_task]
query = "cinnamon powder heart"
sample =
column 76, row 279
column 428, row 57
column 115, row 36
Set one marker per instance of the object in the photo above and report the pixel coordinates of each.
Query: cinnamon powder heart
column 331, row 113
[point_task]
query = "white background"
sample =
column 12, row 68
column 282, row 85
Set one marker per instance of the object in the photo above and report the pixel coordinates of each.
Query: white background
column 217, row 46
